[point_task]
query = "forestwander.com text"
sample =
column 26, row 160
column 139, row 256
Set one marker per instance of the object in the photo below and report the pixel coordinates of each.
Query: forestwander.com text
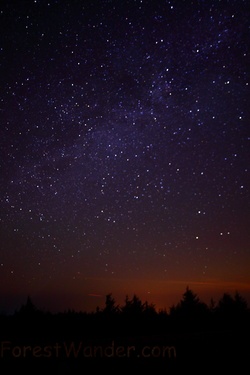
column 79, row 350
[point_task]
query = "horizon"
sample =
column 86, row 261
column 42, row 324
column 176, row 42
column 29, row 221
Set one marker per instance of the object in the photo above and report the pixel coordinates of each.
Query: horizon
column 88, row 303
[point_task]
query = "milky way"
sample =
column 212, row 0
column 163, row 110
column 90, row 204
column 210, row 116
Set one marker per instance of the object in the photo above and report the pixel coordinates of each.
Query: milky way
column 124, row 146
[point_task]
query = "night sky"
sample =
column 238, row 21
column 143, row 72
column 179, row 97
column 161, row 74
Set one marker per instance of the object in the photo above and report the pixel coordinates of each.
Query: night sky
column 125, row 157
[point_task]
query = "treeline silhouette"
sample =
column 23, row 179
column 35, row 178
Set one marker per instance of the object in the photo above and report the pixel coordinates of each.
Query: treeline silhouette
column 133, row 318
column 212, row 337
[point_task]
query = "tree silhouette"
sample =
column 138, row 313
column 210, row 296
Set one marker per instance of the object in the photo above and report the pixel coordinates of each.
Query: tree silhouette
column 232, row 309
column 149, row 309
column 240, row 303
column 133, row 306
column 190, row 310
column 110, row 305
column 29, row 308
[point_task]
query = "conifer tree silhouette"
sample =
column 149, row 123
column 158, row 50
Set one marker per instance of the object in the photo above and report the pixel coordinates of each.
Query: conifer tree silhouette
column 133, row 306
column 110, row 305
column 190, row 307
column 29, row 308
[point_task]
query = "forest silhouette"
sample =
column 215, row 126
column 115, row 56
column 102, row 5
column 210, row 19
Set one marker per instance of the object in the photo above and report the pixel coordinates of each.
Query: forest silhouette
column 196, row 333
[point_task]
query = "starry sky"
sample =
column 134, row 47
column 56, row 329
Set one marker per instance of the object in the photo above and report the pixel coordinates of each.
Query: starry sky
column 124, row 147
